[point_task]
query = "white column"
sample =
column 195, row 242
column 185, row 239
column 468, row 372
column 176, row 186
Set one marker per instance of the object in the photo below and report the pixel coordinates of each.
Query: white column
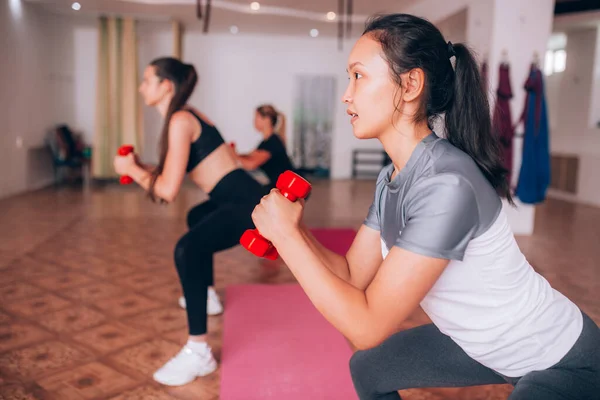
column 595, row 100
column 521, row 28
column 480, row 18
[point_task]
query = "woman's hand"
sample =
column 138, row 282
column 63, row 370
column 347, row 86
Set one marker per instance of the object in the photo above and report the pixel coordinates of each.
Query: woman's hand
column 123, row 164
column 277, row 218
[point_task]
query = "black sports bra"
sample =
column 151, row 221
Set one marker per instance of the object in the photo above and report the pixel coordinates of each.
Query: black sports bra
column 209, row 140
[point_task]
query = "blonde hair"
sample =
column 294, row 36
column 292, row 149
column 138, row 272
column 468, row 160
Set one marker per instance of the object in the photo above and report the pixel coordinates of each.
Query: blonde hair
column 277, row 118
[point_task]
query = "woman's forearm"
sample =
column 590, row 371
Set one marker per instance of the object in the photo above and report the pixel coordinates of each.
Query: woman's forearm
column 141, row 176
column 335, row 262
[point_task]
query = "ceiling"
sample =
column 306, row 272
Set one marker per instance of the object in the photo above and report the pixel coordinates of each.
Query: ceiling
column 575, row 6
column 287, row 17
column 283, row 17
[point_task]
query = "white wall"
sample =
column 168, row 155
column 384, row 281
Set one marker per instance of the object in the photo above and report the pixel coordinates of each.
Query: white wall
column 23, row 113
column 37, row 81
column 480, row 18
column 85, row 65
column 454, row 28
column 437, row 10
column 239, row 72
column 570, row 98
column 571, row 92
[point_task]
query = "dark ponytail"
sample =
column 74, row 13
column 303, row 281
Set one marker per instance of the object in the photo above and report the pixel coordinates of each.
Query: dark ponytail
column 468, row 121
column 184, row 79
column 410, row 42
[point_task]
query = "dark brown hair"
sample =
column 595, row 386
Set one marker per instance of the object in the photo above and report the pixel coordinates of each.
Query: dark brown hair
column 410, row 42
column 184, row 78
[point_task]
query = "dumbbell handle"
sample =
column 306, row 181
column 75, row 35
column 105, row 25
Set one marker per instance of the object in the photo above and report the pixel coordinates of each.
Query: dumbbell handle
column 123, row 151
column 292, row 186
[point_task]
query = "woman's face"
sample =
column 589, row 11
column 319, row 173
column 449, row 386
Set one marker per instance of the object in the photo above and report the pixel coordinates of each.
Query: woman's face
column 260, row 122
column 371, row 93
column 152, row 89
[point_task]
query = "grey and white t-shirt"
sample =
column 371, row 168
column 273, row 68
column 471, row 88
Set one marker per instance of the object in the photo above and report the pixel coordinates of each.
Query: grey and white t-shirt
column 489, row 300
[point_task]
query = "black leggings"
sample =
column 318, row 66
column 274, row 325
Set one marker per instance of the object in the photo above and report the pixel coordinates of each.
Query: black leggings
column 214, row 225
column 424, row 357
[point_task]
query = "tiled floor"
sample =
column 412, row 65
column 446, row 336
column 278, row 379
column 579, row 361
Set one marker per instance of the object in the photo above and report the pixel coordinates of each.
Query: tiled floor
column 88, row 292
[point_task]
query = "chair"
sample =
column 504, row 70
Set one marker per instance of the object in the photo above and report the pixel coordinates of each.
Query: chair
column 68, row 151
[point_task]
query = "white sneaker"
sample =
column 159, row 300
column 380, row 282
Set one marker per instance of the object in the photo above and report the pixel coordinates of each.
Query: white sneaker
column 186, row 366
column 213, row 304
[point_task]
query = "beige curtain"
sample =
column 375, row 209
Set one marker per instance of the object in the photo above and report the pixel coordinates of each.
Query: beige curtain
column 177, row 39
column 118, row 107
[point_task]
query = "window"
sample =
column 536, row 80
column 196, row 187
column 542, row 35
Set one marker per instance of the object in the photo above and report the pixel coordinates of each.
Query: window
column 560, row 60
column 556, row 56
column 548, row 63
column 555, row 62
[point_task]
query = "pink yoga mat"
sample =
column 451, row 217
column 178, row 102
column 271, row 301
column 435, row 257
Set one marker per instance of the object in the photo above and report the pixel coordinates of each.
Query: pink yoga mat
column 335, row 239
column 276, row 345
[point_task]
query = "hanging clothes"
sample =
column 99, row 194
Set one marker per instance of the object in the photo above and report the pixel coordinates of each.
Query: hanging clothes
column 534, row 177
column 502, row 119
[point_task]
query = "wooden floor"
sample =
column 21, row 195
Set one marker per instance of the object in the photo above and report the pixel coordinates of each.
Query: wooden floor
column 88, row 291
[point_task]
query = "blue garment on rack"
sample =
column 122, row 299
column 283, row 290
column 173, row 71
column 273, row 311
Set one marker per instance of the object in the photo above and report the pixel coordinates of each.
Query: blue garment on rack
column 534, row 177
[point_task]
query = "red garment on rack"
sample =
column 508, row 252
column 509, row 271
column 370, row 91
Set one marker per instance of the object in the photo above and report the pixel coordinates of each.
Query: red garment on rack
column 502, row 120
column 533, row 84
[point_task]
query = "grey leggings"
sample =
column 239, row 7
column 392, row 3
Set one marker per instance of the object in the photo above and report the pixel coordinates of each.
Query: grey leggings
column 424, row 357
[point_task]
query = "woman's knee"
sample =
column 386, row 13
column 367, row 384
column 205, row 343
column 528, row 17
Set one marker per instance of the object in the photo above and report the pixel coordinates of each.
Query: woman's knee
column 190, row 219
column 180, row 253
column 192, row 262
column 196, row 214
column 558, row 383
column 357, row 365
column 364, row 373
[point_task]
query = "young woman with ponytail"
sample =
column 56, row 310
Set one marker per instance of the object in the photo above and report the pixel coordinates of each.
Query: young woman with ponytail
column 271, row 155
column 435, row 236
column 190, row 143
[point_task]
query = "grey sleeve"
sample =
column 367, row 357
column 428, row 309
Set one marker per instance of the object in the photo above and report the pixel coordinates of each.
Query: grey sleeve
column 372, row 220
column 441, row 217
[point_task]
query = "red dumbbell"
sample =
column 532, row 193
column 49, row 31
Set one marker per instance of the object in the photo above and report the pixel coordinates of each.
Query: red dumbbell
column 293, row 187
column 123, row 151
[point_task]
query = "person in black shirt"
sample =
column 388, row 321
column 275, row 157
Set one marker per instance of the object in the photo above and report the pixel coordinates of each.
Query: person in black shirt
column 271, row 155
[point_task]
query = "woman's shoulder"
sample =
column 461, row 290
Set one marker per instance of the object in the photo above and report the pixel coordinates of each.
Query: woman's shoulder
column 183, row 116
column 185, row 123
column 199, row 115
column 190, row 117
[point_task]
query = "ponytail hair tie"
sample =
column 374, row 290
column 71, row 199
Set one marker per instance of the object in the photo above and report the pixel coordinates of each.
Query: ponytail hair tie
column 451, row 52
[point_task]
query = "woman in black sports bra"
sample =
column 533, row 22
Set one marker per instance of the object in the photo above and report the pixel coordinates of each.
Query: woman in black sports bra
column 190, row 143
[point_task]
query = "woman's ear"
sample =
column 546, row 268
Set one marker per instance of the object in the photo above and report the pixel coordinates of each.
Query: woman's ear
column 167, row 86
column 413, row 84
